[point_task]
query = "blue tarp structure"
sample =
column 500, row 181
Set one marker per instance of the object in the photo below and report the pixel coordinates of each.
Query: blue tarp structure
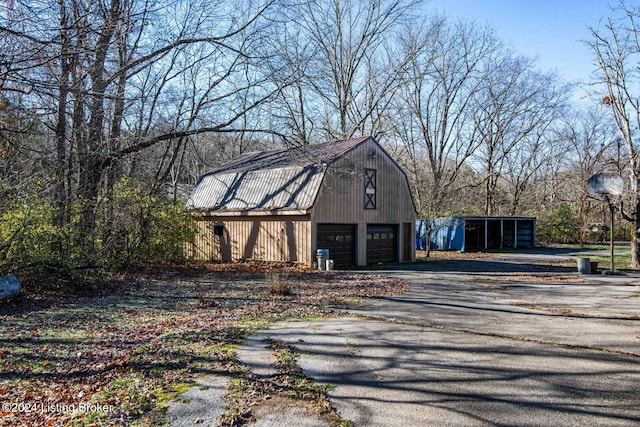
column 445, row 233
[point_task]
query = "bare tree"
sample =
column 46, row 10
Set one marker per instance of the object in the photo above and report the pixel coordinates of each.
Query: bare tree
column 515, row 106
column 343, row 54
column 293, row 112
column 435, row 109
column 112, row 78
column 615, row 45
column 536, row 157
column 591, row 141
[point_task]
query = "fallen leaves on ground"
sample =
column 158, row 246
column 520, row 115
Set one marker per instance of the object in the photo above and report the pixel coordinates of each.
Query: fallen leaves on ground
column 113, row 354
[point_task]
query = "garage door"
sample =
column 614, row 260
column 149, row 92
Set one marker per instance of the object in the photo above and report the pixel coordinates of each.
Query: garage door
column 340, row 239
column 382, row 244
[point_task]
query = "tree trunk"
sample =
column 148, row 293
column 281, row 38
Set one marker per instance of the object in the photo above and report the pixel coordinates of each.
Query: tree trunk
column 635, row 237
column 91, row 168
column 95, row 146
column 60, row 201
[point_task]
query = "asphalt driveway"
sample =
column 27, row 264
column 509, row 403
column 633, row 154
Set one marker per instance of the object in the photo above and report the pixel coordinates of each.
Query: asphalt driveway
column 499, row 342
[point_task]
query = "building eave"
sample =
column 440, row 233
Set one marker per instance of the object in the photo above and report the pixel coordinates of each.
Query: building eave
column 252, row 213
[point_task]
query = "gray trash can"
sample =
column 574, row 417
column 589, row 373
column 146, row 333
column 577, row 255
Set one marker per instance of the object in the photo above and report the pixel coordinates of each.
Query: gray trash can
column 322, row 255
column 584, row 265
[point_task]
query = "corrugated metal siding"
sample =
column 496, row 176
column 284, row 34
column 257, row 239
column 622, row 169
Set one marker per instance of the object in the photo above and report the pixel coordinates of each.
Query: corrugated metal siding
column 446, row 234
column 474, row 233
column 206, row 246
column 268, row 189
column 255, row 238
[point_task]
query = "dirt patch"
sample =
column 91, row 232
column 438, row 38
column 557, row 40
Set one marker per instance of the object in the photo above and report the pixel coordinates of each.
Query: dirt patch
column 561, row 311
column 279, row 411
column 113, row 354
column 549, row 278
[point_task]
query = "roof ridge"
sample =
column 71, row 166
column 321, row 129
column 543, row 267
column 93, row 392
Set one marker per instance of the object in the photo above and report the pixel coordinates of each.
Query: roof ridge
column 301, row 155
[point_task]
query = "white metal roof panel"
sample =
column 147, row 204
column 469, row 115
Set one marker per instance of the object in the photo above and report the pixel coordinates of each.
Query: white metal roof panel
column 287, row 188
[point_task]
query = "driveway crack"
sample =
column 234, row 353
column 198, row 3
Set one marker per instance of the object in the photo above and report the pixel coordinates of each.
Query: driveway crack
column 497, row 335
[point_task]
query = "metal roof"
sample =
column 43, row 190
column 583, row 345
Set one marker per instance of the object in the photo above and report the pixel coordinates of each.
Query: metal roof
column 297, row 156
column 286, row 179
column 292, row 187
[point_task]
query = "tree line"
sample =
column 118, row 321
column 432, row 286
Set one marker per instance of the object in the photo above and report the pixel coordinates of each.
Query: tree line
column 110, row 109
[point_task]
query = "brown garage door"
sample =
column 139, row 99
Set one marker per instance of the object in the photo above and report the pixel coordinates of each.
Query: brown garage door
column 382, row 244
column 340, row 239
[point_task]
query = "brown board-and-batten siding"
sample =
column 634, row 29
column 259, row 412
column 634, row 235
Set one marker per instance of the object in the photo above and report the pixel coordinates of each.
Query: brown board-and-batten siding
column 346, row 197
column 259, row 238
column 283, row 205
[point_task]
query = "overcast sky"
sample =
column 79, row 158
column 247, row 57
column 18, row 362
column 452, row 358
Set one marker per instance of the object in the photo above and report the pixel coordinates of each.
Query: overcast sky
column 550, row 30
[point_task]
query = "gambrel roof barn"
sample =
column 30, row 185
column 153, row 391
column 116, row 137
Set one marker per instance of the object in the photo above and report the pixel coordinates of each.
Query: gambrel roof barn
column 348, row 196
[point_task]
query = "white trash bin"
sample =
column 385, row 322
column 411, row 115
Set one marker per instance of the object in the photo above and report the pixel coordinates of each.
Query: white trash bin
column 322, row 255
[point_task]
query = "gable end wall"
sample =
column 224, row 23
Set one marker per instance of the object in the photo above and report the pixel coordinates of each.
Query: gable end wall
column 341, row 197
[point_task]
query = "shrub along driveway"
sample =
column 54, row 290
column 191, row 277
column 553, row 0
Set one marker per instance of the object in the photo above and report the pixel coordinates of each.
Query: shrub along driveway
column 479, row 342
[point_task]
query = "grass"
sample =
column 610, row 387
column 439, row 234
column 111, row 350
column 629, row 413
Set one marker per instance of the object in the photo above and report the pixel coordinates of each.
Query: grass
column 136, row 342
column 595, row 252
column 289, row 383
column 302, row 387
column 601, row 253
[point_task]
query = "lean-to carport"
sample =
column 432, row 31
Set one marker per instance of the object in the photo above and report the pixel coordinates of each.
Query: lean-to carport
column 477, row 233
